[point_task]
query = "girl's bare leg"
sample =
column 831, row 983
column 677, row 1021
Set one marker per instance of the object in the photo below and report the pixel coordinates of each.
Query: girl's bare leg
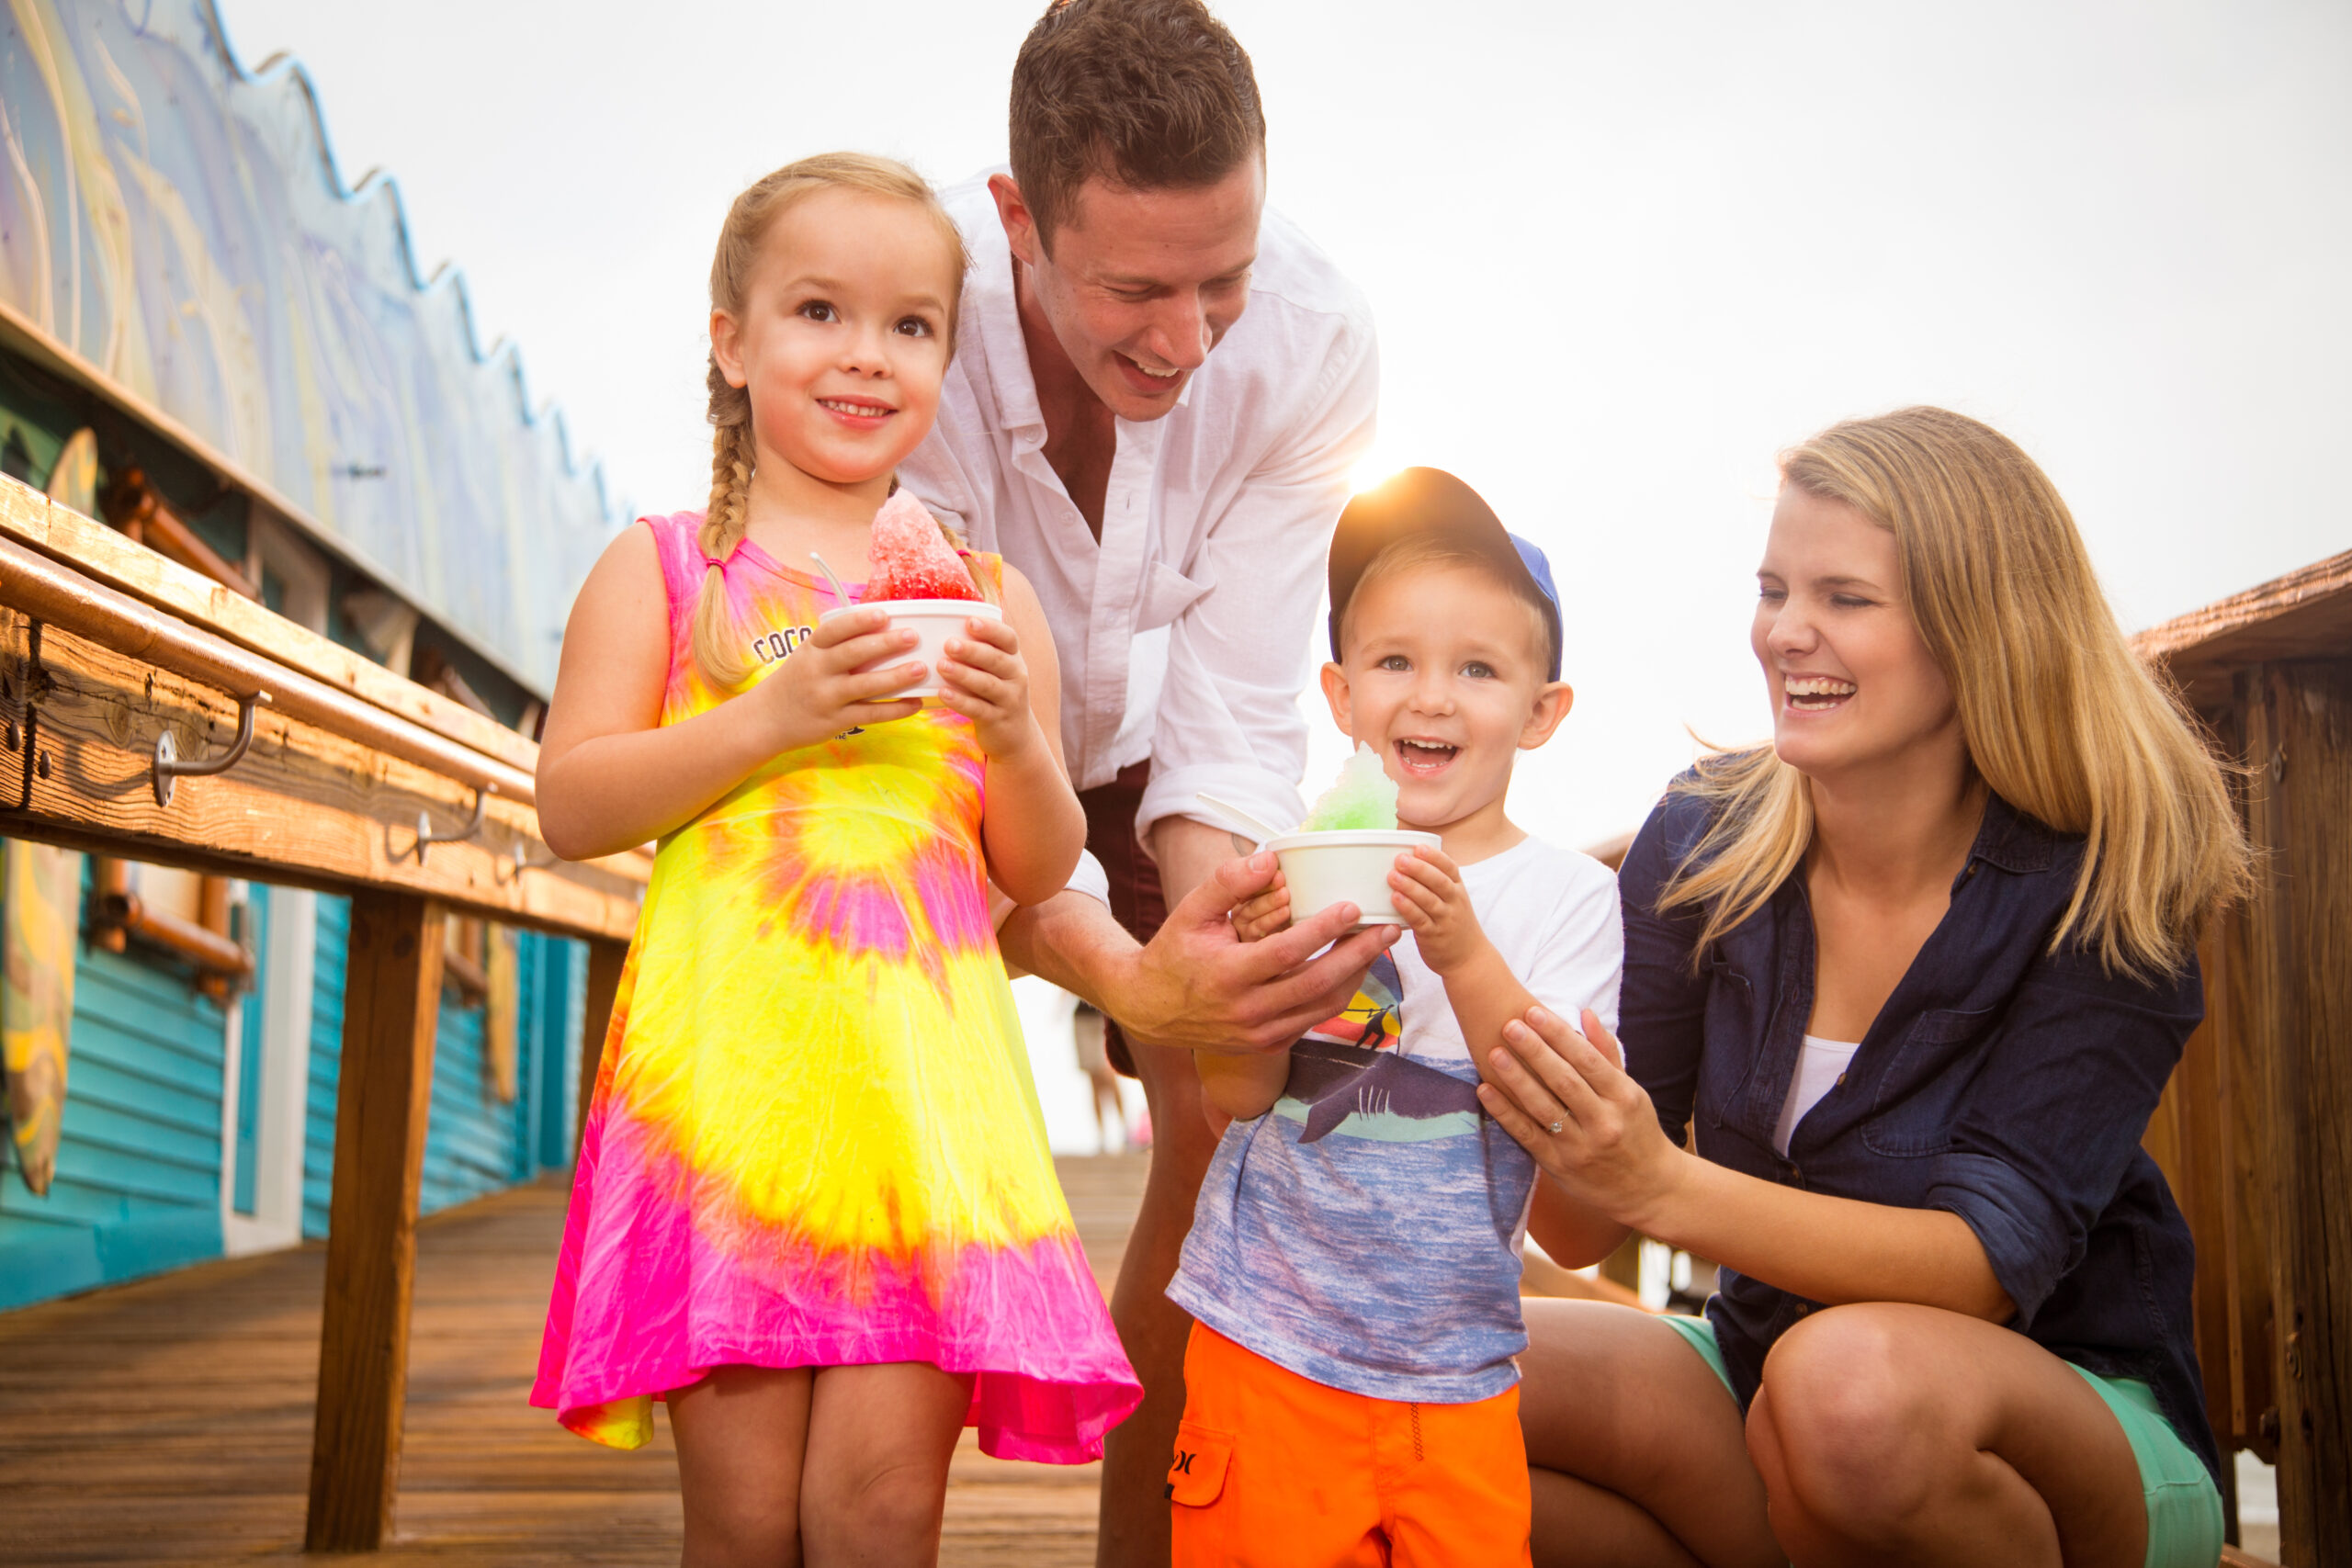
column 742, row 1433
column 1633, row 1447
column 1890, row 1433
column 875, row 1478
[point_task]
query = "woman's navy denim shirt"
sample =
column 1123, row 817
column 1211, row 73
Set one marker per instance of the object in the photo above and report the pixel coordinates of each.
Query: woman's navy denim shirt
column 2001, row 1081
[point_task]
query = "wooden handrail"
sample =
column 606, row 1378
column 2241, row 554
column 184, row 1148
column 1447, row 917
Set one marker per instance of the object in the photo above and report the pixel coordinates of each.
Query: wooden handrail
column 56, row 594
column 97, row 551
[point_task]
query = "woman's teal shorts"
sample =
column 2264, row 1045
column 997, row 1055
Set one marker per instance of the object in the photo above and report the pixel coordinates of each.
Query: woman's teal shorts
column 2184, row 1505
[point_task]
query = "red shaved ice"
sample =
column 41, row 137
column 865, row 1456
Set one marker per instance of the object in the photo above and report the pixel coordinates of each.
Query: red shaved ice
column 910, row 558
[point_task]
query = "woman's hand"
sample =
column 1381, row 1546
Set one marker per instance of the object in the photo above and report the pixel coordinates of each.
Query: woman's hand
column 1256, row 919
column 1434, row 903
column 987, row 683
column 816, row 692
column 1563, row 1095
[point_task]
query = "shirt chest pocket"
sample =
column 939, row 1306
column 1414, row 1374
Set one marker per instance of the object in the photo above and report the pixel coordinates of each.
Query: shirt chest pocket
column 1926, row 1086
column 1167, row 594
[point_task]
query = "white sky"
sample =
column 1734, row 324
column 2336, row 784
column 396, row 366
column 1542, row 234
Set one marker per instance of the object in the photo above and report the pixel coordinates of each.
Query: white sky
column 1620, row 256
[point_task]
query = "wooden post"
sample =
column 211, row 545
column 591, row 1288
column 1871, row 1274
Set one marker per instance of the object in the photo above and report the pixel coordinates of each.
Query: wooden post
column 391, row 997
column 604, row 962
column 2299, row 739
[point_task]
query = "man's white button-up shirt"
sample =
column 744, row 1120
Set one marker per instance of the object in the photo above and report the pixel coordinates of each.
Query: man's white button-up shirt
column 1185, row 634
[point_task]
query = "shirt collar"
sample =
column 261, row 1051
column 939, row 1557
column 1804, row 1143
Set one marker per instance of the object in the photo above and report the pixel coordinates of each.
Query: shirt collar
column 995, row 314
column 2012, row 840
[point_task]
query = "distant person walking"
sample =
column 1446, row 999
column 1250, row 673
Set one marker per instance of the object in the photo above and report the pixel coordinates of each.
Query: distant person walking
column 1094, row 1060
column 1159, row 390
column 1913, row 976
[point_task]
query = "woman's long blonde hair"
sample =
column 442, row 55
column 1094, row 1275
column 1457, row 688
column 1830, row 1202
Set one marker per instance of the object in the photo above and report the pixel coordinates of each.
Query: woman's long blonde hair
column 2059, row 719
column 733, row 453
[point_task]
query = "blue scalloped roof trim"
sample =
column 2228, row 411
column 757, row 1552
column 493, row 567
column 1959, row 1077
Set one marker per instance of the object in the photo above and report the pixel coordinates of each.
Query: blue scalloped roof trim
column 378, row 184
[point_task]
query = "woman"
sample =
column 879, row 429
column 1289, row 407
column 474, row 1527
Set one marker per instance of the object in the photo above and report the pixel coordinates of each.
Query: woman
column 1913, row 976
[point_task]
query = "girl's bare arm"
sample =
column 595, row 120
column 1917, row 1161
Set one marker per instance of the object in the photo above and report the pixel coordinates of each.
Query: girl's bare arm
column 1034, row 829
column 610, row 778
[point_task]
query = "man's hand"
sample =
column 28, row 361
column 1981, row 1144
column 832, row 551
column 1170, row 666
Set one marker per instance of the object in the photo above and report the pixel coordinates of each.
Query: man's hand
column 1197, row 986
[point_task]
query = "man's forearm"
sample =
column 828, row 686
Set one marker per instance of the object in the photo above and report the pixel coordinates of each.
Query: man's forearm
column 1072, row 941
column 1188, row 853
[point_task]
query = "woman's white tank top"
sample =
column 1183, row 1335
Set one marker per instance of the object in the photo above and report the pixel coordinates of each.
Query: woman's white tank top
column 1818, row 1070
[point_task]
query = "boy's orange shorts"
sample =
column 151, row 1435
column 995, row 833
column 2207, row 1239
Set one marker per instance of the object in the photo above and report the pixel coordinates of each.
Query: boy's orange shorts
column 1275, row 1471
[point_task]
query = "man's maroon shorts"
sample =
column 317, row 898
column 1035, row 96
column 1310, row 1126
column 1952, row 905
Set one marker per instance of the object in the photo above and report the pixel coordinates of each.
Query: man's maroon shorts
column 1137, row 901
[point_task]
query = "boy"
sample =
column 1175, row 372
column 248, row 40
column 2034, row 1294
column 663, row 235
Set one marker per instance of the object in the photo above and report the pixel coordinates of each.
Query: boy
column 1353, row 1263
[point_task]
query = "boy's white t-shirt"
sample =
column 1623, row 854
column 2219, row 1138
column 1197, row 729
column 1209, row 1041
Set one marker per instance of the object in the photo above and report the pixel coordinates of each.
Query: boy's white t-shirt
column 1365, row 1232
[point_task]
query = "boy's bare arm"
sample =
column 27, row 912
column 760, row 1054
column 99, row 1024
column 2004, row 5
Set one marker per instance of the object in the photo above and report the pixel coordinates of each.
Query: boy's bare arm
column 1480, row 986
column 1243, row 1088
column 1484, row 996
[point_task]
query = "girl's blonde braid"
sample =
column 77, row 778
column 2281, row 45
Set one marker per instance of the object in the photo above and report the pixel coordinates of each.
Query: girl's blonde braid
column 716, row 637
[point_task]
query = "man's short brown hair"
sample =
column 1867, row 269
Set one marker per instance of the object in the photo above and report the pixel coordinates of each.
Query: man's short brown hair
column 1148, row 93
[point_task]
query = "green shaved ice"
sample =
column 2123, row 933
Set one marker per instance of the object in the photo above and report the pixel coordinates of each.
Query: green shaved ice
column 1362, row 798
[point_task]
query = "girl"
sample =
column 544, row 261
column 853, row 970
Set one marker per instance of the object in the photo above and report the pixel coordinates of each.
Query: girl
column 1914, row 976
column 814, row 1210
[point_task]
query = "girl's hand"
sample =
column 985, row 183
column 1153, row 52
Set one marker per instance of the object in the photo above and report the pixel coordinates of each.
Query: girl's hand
column 816, row 692
column 1429, row 894
column 1591, row 1127
column 1256, row 919
column 987, row 683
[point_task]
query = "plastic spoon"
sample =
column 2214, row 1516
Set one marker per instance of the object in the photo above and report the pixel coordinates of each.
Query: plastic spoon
column 840, row 594
column 1263, row 829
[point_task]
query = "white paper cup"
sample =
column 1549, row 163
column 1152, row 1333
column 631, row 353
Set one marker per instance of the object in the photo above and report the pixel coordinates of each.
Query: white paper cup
column 1346, row 867
column 934, row 622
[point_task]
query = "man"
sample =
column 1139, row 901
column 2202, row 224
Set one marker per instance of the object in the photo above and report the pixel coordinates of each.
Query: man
column 1158, row 394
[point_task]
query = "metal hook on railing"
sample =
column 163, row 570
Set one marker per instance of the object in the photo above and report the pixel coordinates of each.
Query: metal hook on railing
column 426, row 837
column 520, row 859
column 170, row 770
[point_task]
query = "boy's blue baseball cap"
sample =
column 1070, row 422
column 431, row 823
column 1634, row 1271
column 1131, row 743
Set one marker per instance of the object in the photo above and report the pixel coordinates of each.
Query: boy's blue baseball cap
column 1430, row 501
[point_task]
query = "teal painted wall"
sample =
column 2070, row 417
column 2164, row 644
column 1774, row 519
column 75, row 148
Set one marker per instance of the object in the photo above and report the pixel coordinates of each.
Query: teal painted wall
column 473, row 1142
column 138, row 1184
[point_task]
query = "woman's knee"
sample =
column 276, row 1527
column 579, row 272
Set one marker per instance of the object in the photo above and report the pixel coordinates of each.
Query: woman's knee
column 1855, row 1432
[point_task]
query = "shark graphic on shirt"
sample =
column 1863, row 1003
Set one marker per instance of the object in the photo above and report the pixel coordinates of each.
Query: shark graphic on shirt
column 1350, row 1075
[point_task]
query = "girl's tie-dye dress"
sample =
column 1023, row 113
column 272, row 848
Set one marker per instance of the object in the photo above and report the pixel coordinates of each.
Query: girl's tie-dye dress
column 814, row 1140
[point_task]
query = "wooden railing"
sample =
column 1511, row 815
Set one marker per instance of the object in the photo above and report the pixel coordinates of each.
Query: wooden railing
column 354, row 781
column 2252, row 1132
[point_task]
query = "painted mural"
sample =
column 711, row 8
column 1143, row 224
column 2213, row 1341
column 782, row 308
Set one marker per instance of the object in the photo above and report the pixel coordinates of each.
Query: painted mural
column 179, row 224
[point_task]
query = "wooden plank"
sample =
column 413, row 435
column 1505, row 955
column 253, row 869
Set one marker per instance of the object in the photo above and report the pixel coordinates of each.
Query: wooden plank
column 391, row 999
column 169, row 1420
column 2234, row 993
column 2306, row 614
column 305, row 806
column 2302, row 721
column 605, row 961
column 2184, row 1137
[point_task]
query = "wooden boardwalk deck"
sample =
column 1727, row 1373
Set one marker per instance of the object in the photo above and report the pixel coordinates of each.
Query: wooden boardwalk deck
column 168, row 1422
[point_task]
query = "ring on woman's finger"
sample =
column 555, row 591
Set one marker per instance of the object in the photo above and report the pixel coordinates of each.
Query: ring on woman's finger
column 1557, row 1126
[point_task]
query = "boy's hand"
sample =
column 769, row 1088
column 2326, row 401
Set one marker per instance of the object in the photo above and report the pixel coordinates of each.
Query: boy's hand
column 987, row 683
column 816, row 692
column 1436, row 907
column 1257, row 919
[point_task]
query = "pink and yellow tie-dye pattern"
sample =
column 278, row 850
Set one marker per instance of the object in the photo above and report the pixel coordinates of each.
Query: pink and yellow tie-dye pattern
column 813, row 1140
